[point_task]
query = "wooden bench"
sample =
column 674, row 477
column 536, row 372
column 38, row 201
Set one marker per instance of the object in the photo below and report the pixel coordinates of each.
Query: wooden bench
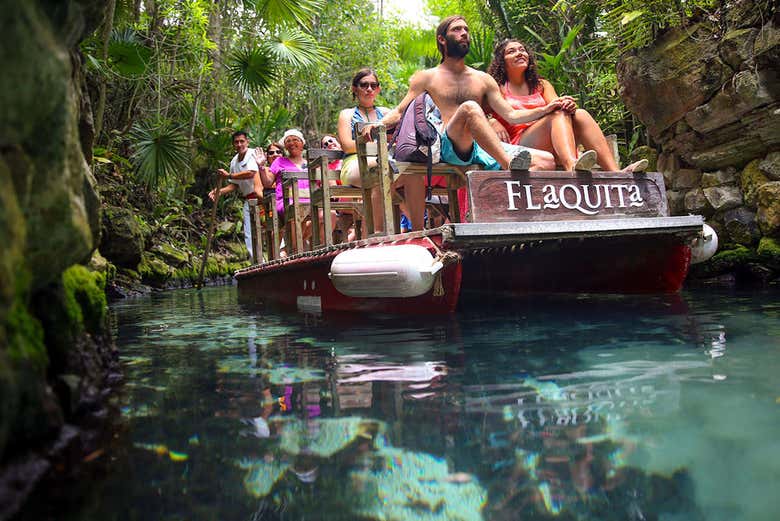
column 295, row 212
column 455, row 177
column 326, row 196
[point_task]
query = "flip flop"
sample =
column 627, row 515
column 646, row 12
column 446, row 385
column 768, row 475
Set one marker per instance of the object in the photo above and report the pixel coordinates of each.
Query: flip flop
column 638, row 166
column 586, row 161
column 521, row 161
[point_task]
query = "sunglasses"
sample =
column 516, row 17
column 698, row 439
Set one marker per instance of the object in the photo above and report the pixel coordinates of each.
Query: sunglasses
column 274, row 153
column 328, row 142
column 366, row 84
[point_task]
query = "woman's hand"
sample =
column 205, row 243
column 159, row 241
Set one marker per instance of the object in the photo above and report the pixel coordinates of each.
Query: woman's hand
column 499, row 129
column 568, row 104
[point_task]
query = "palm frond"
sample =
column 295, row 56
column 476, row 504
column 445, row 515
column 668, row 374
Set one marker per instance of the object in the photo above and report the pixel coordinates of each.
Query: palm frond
column 127, row 54
column 283, row 12
column 160, row 151
column 265, row 123
column 251, row 69
column 295, row 47
column 481, row 51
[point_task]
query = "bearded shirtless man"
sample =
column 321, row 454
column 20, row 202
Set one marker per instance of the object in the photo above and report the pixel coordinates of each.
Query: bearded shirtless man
column 460, row 92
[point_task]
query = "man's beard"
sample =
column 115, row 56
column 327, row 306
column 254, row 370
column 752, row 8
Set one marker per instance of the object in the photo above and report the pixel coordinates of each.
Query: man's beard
column 456, row 50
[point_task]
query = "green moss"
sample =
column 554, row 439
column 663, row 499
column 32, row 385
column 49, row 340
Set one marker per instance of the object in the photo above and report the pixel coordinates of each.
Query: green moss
column 85, row 299
column 731, row 259
column 170, row 254
column 751, row 179
column 769, row 252
column 25, row 337
column 153, row 270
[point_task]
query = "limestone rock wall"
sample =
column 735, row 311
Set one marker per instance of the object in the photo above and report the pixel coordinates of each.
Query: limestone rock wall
column 55, row 352
column 709, row 95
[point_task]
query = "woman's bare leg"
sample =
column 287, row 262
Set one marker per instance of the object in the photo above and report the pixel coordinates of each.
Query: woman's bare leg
column 553, row 133
column 588, row 132
column 414, row 199
column 353, row 176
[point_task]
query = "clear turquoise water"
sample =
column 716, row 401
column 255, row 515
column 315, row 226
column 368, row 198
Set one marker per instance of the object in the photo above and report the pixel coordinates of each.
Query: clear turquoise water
column 567, row 407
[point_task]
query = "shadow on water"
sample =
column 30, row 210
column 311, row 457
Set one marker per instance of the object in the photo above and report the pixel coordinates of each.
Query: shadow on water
column 545, row 407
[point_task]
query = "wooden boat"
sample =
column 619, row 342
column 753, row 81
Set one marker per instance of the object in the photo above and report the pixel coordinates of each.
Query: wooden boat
column 605, row 232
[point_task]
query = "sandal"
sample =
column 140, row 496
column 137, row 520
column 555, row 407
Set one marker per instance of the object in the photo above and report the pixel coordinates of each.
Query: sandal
column 586, row 161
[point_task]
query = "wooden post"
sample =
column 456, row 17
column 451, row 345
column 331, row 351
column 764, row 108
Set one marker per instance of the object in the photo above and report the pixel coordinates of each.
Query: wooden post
column 218, row 187
column 368, row 209
column 255, row 232
column 314, row 199
column 385, row 180
column 275, row 235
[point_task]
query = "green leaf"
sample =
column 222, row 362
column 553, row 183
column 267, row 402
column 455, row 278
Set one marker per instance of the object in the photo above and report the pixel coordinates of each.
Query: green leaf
column 295, row 47
column 160, row 151
column 126, row 54
column 629, row 17
column 570, row 37
column 252, row 69
column 282, row 12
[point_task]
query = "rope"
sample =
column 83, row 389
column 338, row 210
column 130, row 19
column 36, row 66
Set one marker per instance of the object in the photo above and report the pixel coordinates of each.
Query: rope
column 446, row 258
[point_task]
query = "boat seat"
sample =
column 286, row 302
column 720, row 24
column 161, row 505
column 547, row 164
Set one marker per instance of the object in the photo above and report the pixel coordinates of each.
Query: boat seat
column 295, row 211
column 266, row 226
column 454, row 175
column 327, row 195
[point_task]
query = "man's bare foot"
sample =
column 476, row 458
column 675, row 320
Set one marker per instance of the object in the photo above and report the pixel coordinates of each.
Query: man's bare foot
column 521, row 161
column 638, row 166
column 586, row 161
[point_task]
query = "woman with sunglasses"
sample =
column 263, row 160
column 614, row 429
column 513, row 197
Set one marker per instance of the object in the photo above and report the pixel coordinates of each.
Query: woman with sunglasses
column 272, row 152
column 329, row 142
column 559, row 126
column 365, row 89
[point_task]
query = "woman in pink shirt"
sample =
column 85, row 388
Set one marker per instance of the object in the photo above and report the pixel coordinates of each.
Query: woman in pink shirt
column 559, row 127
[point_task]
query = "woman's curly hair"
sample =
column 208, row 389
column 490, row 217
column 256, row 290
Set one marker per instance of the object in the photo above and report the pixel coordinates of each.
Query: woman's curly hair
column 497, row 67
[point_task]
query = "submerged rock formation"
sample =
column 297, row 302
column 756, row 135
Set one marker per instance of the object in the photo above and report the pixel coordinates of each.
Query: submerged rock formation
column 709, row 96
column 55, row 349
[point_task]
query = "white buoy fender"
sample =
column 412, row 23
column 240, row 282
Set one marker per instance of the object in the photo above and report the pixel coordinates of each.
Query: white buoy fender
column 404, row 270
column 705, row 245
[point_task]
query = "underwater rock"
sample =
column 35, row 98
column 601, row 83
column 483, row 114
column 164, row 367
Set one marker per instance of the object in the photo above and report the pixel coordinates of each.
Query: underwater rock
column 409, row 486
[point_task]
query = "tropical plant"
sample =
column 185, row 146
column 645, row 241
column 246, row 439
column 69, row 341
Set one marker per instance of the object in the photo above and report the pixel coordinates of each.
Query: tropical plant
column 160, row 152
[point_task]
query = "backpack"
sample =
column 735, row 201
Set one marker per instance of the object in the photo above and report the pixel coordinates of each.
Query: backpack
column 416, row 139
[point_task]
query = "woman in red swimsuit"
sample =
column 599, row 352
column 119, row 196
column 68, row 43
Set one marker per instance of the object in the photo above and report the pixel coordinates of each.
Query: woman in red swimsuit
column 560, row 127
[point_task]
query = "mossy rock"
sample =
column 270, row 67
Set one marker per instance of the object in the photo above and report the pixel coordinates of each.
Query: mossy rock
column 85, row 293
column 123, row 241
column 12, row 240
column 170, row 254
column 29, row 411
column 732, row 259
column 769, row 252
column 24, row 335
column 154, row 271
column 645, row 152
column 75, row 306
column 751, row 179
column 102, row 265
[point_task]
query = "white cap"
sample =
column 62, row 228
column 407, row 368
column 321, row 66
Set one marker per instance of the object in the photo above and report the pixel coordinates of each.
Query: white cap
column 292, row 132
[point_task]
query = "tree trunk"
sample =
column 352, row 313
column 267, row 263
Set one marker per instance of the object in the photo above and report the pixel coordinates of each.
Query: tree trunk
column 108, row 26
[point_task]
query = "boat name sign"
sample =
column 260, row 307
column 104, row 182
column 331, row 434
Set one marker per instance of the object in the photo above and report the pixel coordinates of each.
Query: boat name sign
column 586, row 199
column 503, row 196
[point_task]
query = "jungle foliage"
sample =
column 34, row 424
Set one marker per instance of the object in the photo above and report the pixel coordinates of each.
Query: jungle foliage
column 170, row 79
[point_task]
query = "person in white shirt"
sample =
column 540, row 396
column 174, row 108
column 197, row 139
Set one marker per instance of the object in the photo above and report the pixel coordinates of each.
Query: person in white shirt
column 243, row 176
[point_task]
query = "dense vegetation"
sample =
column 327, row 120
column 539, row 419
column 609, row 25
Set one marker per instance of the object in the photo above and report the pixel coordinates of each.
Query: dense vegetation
column 169, row 79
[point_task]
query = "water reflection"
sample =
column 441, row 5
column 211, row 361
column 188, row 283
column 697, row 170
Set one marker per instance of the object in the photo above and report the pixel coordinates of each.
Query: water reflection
column 548, row 408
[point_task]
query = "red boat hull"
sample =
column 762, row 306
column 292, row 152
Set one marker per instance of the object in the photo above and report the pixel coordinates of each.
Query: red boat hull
column 302, row 283
column 604, row 265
